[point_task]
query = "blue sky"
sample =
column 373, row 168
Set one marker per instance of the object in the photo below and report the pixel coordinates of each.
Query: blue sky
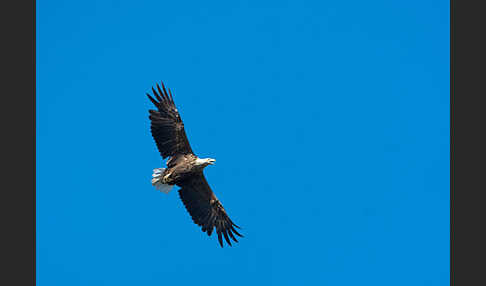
column 329, row 121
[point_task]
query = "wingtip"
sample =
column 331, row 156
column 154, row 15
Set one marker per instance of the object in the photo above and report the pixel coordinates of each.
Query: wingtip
column 165, row 90
column 236, row 232
column 232, row 236
column 225, row 233
column 152, row 99
column 220, row 239
column 160, row 92
column 170, row 95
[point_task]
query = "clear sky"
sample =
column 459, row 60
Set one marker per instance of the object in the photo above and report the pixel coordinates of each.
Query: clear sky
column 329, row 121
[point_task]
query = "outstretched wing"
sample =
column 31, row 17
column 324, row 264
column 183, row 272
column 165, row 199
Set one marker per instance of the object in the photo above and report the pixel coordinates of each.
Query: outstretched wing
column 206, row 210
column 166, row 124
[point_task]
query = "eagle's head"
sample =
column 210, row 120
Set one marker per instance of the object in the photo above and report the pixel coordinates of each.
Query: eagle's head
column 205, row 162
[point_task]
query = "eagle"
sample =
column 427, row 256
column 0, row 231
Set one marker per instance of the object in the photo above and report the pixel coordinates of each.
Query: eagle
column 185, row 170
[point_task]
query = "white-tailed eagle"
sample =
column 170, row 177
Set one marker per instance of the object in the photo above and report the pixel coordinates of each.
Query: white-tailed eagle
column 185, row 169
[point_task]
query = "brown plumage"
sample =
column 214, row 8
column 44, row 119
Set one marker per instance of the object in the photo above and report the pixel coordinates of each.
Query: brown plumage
column 185, row 169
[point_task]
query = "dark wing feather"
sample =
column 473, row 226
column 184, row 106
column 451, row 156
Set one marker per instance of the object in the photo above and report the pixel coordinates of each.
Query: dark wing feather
column 166, row 125
column 206, row 210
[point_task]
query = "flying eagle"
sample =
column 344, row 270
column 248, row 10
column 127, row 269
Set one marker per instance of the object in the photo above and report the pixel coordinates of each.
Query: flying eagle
column 185, row 169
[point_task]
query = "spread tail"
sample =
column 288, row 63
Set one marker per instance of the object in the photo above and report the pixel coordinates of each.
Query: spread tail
column 157, row 177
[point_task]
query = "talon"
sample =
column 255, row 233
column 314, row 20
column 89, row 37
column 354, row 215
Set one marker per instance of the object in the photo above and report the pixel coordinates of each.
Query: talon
column 166, row 178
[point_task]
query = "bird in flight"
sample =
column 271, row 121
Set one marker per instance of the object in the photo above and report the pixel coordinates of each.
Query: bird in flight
column 185, row 169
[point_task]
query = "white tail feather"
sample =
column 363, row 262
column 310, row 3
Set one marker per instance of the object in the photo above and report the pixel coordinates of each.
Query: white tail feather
column 157, row 181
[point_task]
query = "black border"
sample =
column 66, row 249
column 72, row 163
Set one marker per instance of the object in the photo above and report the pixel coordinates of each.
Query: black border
column 468, row 160
column 18, row 142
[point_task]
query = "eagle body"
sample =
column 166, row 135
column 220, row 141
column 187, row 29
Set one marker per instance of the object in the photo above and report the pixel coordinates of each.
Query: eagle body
column 180, row 168
column 185, row 169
